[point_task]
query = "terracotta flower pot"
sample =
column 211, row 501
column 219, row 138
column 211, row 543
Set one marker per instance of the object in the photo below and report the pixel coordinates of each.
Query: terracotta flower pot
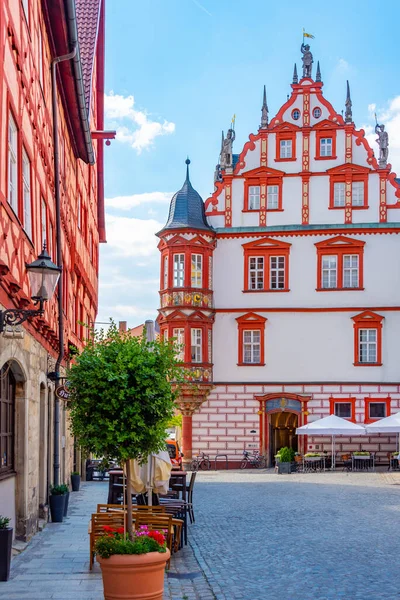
column 134, row 576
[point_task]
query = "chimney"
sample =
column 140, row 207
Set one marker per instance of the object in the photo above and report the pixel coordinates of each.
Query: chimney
column 122, row 326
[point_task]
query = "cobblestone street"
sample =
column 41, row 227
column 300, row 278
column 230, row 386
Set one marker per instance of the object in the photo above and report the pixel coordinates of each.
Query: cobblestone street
column 257, row 535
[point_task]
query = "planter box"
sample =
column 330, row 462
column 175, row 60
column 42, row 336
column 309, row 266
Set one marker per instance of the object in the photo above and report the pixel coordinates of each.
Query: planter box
column 284, row 468
column 75, row 482
column 57, row 507
column 6, row 536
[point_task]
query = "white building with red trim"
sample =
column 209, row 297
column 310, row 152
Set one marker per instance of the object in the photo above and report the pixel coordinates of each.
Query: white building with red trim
column 282, row 287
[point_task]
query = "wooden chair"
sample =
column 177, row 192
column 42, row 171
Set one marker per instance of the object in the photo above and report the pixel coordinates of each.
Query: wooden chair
column 96, row 528
column 178, row 487
column 105, row 508
column 159, row 522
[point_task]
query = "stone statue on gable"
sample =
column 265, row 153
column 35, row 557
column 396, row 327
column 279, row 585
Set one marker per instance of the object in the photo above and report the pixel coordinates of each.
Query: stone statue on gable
column 226, row 149
column 383, row 143
column 307, row 60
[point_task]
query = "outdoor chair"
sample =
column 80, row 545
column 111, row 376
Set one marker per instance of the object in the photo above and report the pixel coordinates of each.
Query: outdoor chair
column 162, row 523
column 96, row 528
column 189, row 493
column 347, row 463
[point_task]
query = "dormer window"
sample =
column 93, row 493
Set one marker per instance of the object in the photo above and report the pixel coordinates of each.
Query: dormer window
column 254, row 197
column 286, row 149
column 325, row 147
column 179, row 270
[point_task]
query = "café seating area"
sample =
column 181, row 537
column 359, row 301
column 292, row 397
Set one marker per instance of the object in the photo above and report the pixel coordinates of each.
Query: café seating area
column 169, row 512
column 313, row 462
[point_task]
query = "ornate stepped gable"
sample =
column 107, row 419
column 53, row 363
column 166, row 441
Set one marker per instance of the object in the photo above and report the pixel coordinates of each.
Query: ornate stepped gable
column 306, row 138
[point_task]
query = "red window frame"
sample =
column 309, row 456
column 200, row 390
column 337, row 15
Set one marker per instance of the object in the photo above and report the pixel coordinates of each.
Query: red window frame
column 273, row 248
column 179, row 320
column 285, row 131
column 251, row 322
column 187, row 248
column 368, row 401
column 325, row 132
column 352, row 401
column 263, row 200
column 368, row 320
column 340, row 246
column 348, row 174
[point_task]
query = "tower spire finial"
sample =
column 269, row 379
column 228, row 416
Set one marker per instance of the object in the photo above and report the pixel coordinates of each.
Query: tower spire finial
column 295, row 77
column 264, row 111
column 318, row 75
column 187, row 162
column 348, row 116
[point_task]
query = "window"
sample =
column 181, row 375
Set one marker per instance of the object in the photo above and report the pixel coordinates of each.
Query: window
column 277, row 272
column 179, row 270
column 251, row 333
column 376, row 408
column 272, row 197
column 296, row 114
column 12, row 164
column 350, row 270
column 286, row 149
column 165, row 282
column 7, row 416
column 367, row 339
column 340, row 264
column 329, row 272
column 256, row 273
column 339, row 194
column 196, row 346
column 197, row 270
column 26, row 184
column 251, row 346
column 40, row 57
column 266, row 266
column 325, row 147
column 44, row 222
column 254, row 197
column 357, row 193
column 317, row 113
column 343, row 407
column 165, row 335
column 179, row 335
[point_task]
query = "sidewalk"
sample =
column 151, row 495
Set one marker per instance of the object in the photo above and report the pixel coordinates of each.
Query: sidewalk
column 55, row 565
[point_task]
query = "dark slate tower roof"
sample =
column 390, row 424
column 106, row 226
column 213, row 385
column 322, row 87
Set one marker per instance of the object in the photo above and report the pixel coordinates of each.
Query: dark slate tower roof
column 186, row 210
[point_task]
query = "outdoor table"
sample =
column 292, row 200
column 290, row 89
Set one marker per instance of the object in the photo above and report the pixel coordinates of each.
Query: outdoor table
column 363, row 462
column 181, row 477
column 313, row 463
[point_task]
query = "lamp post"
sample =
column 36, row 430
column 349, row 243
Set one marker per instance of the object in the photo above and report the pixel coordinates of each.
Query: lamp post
column 43, row 276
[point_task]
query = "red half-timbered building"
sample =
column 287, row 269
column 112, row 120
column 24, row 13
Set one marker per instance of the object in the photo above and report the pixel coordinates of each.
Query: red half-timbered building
column 32, row 35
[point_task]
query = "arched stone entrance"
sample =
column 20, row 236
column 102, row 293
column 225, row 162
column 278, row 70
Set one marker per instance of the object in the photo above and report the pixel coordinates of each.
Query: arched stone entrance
column 280, row 414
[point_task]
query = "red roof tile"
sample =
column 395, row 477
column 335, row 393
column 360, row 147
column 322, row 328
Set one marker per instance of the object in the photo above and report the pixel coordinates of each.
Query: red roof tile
column 87, row 16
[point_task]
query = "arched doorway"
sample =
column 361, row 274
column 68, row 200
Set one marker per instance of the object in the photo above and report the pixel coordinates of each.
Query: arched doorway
column 282, row 427
column 280, row 415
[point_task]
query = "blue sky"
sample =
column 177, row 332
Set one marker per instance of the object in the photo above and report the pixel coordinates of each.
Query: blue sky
column 176, row 72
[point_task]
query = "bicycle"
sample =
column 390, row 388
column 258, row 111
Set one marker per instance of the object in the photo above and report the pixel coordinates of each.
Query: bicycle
column 253, row 460
column 201, row 461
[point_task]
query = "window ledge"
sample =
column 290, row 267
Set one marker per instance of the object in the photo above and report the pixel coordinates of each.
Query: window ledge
column 358, row 289
column 265, row 291
column 285, row 159
column 7, row 475
column 250, row 364
column 364, row 207
column 358, row 364
column 325, row 157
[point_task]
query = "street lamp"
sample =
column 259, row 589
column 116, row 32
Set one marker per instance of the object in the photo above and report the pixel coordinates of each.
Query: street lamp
column 43, row 276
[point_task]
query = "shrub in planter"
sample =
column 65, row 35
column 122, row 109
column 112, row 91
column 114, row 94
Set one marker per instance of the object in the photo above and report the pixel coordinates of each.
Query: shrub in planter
column 123, row 392
column 132, row 568
column 286, row 456
column 75, row 481
column 57, row 503
column 6, row 534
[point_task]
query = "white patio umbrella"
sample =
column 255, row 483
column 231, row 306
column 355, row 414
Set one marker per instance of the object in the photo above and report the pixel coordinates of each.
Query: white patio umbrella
column 387, row 425
column 331, row 426
column 152, row 475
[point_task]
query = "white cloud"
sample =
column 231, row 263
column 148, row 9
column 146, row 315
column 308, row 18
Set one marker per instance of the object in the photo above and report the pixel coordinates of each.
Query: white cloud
column 134, row 126
column 128, row 202
column 342, row 65
column 389, row 115
column 132, row 237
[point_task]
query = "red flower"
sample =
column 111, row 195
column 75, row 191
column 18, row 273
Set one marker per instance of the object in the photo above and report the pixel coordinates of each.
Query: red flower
column 108, row 529
column 120, row 530
column 157, row 536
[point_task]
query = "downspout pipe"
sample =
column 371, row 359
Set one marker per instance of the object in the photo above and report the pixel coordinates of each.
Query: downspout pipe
column 80, row 89
column 54, row 63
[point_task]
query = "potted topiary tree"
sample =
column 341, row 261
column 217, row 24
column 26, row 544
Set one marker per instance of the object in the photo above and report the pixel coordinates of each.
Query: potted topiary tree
column 75, row 481
column 57, row 503
column 6, row 534
column 121, row 403
column 286, row 456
